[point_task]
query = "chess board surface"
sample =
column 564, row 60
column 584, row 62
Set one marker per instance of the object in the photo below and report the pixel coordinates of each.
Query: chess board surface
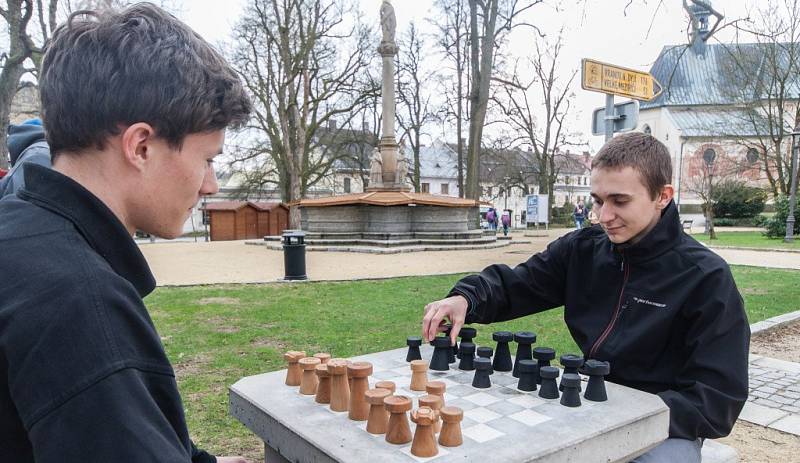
column 500, row 423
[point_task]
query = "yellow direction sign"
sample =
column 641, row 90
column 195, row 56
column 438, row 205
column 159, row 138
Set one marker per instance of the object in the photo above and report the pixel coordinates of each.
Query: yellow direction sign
column 607, row 78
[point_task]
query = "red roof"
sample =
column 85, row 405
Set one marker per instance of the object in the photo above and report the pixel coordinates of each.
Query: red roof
column 236, row 205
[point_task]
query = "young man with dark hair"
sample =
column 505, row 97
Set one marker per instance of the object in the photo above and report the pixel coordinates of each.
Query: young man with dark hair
column 637, row 292
column 135, row 106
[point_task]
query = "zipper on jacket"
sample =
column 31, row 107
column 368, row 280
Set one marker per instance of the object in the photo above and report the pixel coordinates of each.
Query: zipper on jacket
column 610, row 327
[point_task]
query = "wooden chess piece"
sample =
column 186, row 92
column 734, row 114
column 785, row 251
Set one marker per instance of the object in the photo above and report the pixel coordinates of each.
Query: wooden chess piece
column 398, row 430
column 378, row 417
column 323, row 357
column 293, row 372
column 309, row 381
column 324, row 385
column 386, row 385
column 451, row 430
column 436, row 388
column 424, row 444
column 359, row 372
column 434, row 402
column 419, row 375
column 340, row 390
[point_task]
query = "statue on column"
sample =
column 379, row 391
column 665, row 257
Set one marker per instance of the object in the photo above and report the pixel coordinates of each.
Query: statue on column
column 388, row 21
column 376, row 169
column 402, row 169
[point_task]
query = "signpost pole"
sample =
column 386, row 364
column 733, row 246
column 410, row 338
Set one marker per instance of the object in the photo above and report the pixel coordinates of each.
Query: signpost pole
column 609, row 116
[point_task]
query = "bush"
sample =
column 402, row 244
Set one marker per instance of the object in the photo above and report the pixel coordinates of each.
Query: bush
column 776, row 225
column 733, row 199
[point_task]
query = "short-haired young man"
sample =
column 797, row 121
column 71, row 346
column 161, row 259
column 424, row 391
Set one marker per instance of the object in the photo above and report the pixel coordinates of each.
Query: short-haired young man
column 637, row 292
column 135, row 106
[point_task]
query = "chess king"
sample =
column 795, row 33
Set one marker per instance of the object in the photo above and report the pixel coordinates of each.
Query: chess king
column 638, row 292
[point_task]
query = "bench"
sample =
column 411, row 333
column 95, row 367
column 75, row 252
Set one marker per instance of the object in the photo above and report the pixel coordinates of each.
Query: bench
column 687, row 224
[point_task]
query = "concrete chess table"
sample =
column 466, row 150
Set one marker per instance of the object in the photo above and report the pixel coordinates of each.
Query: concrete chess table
column 500, row 423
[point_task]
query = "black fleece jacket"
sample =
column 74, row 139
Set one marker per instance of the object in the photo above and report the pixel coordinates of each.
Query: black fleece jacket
column 664, row 312
column 83, row 374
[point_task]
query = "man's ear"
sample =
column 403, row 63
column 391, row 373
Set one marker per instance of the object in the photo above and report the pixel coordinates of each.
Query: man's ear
column 137, row 144
column 666, row 195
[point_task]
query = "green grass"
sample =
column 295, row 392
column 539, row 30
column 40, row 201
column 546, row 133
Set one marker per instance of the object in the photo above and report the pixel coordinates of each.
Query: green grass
column 751, row 239
column 215, row 335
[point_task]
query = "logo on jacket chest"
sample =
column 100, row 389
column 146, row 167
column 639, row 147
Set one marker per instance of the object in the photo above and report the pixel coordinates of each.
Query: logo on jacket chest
column 648, row 302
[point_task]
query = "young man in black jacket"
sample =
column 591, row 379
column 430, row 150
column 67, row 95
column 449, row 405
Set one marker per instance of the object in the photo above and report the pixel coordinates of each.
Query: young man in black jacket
column 135, row 106
column 637, row 292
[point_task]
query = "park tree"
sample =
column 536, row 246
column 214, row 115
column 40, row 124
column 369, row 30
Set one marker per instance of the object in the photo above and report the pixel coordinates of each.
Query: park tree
column 303, row 62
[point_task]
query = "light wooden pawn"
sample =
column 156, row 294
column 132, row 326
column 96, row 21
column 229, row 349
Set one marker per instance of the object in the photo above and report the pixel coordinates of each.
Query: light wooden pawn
column 451, row 430
column 309, row 381
column 398, row 431
column 434, row 402
column 294, row 373
column 323, row 357
column 378, row 416
column 436, row 388
column 324, row 386
column 424, row 444
column 340, row 390
column 359, row 372
column 419, row 375
column 386, row 385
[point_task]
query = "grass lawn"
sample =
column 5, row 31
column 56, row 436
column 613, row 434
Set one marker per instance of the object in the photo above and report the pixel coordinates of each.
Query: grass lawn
column 752, row 239
column 215, row 335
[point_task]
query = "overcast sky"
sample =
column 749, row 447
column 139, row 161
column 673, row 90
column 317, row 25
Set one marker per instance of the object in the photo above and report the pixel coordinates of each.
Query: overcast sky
column 599, row 29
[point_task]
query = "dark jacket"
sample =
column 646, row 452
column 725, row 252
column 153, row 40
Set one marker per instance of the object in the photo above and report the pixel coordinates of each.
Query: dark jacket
column 664, row 312
column 26, row 145
column 84, row 374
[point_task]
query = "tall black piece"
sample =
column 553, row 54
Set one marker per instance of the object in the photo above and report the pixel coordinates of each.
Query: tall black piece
column 481, row 379
column 441, row 353
column 413, row 343
column 543, row 355
column 571, row 364
column 524, row 340
column 596, row 388
column 451, row 356
column 486, row 352
column 502, row 354
column 527, row 380
column 467, row 334
column 549, row 389
column 466, row 355
column 571, row 396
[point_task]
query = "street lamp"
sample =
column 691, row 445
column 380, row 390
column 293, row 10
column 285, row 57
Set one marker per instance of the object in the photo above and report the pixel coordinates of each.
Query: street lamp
column 708, row 156
column 793, row 190
column 506, row 178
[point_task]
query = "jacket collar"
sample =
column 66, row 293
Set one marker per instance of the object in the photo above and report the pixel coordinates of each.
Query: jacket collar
column 660, row 239
column 103, row 231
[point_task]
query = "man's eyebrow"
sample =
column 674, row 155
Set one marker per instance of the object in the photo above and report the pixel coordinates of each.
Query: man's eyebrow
column 613, row 196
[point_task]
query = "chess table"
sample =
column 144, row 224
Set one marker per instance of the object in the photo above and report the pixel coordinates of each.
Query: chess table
column 500, row 423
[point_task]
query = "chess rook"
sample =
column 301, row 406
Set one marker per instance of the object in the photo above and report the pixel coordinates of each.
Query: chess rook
column 450, row 435
column 359, row 408
column 524, row 340
column 486, row 352
column 294, row 373
column 324, row 384
column 340, row 389
column 571, row 363
column 398, row 430
column 502, row 354
column 571, row 396
column 419, row 375
column 549, row 389
column 527, row 378
column 413, row 343
column 434, row 402
column 323, row 357
column 481, row 379
column 467, row 334
column 466, row 354
column 596, row 388
column 543, row 355
column 441, row 354
column 389, row 385
column 378, row 417
column 436, row 388
column 424, row 443
column 309, row 380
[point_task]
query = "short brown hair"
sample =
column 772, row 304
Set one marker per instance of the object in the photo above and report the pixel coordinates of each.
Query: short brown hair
column 642, row 152
column 111, row 68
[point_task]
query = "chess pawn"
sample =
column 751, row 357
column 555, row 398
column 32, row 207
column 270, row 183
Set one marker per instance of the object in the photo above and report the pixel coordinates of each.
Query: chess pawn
column 398, row 430
column 543, row 355
column 340, row 389
column 481, row 379
column 434, row 402
column 424, row 444
column 502, row 354
column 378, row 417
column 436, row 388
column 389, row 385
column 466, row 352
column 413, row 343
column 441, row 354
column 467, row 334
column 524, row 340
column 596, row 388
column 571, row 363
column 359, row 408
column 294, row 373
column 419, row 375
column 527, row 380
column 486, row 352
column 324, row 384
column 571, row 396
column 549, row 389
column 323, row 357
column 309, row 381
column 451, row 429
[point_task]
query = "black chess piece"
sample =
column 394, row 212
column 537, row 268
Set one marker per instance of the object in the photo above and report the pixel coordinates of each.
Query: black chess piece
column 451, row 356
column 486, row 352
column 441, row 352
column 413, row 343
column 571, row 396
column 482, row 379
column 549, row 389
column 524, row 340
column 466, row 354
column 527, row 380
column 596, row 388
column 571, row 363
column 502, row 355
column 467, row 334
column 543, row 355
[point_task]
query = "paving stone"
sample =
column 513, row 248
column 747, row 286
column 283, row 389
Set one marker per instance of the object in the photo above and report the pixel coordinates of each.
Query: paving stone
column 790, row 424
column 781, row 365
column 768, row 390
column 790, row 394
column 760, row 394
column 760, row 414
column 782, row 400
column 791, row 409
column 767, row 403
column 714, row 452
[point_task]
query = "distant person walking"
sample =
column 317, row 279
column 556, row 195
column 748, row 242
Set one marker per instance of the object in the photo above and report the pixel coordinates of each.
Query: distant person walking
column 580, row 215
column 506, row 219
column 491, row 218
